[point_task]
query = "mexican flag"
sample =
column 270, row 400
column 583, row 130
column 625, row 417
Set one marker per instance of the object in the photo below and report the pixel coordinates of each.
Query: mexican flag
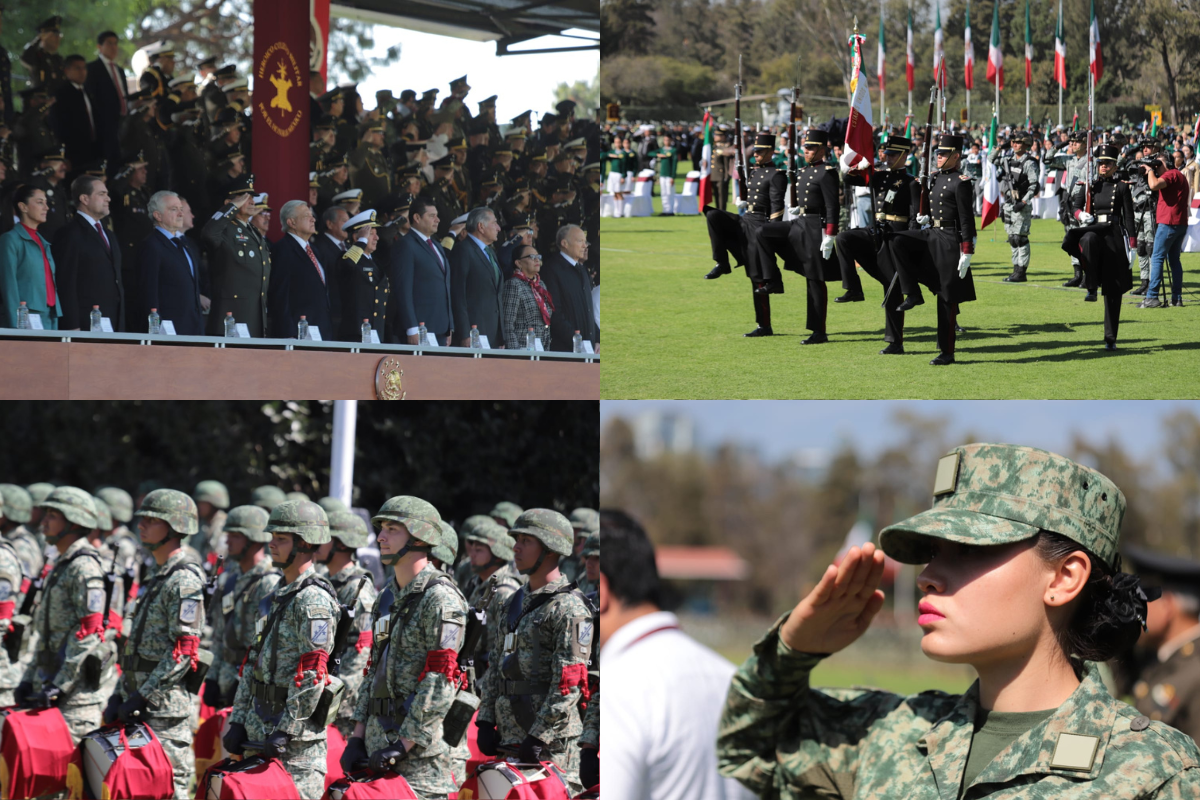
column 860, row 142
column 706, row 189
column 995, row 68
column 1028, row 49
column 939, row 52
column 1196, row 131
column 1060, row 52
column 882, row 53
column 1096, row 62
column 968, row 53
column 991, row 185
column 911, row 60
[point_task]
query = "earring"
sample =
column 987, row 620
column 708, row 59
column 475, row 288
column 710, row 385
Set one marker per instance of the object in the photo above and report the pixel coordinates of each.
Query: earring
column 1051, row 597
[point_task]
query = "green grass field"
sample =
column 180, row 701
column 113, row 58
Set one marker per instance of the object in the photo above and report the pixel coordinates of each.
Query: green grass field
column 671, row 334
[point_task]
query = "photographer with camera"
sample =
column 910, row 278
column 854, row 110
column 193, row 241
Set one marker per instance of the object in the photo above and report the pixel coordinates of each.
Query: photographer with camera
column 1171, row 215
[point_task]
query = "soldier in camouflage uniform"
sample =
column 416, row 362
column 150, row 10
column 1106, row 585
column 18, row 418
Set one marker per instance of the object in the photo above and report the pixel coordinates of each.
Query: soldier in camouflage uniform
column 124, row 543
column 212, row 499
column 418, row 623
column 249, row 577
column 1025, row 524
column 12, row 581
column 589, row 577
column 443, row 556
column 332, row 504
column 585, row 522
column 18, row 508
column 38, row 492
column 1145, row 203
column 490, row 551
column 506, row 513
column 72, row 658
column 355, row 587
column 463, row 572
column 541, row 641
column 589, row 742
column 267, row 497
column 162, row 653
column 279, row 701
column 1075, row 173
column 1018, row 186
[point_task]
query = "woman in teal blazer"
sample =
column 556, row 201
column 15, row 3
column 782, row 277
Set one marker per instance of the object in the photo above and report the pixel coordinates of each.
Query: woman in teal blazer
column 22, row 265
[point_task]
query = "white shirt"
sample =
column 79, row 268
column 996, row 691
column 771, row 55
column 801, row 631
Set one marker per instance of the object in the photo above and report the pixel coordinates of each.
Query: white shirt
column 87, row 101
column 570, row 260
column 661, row 705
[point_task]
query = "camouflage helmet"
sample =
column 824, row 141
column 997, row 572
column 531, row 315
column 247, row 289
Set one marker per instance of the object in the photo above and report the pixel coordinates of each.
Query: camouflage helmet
column 591, row 547
column 304, row 518
column 474, row 523
column 267, row 497
column 75, row 504
column 39, row 491
column 119, row 502
column 506, row 511
column 421, row 518
column 332, row 504
column 173, row 507
column 250, row 521
column 497, row 539
column 104, row 520
column 296, row 496
column 348, row 528
column 17, row 502
column 212, row 492
column 991, row 494
column 585, row 521
column 447, row 550
column 549, row 527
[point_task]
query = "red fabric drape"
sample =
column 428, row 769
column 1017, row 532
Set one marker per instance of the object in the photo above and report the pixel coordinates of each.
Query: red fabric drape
column 35, row 748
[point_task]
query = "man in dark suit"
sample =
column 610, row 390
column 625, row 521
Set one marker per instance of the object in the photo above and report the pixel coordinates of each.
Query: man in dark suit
column 476, row 281
column 566, row 277
column 299, row 280
column 88, row 261
column 106, row 86
column 73, row 118
column 420, row 275
column 168, row 269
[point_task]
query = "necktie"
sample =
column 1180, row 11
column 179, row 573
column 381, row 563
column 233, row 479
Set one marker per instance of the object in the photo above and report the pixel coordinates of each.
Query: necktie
column 429, row 242
column 492, row 258
column 112, row 68
column 100, row 230
column 313, row 258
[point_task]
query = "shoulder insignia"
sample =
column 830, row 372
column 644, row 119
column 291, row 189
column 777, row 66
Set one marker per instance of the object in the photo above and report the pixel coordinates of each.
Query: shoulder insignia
column 828, row 166
column 354, row 254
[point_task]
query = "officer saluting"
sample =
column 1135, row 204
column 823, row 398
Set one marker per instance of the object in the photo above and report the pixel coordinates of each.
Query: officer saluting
column 43, row 59
column 897, row 198
column 239, row 260
column 940, row 256
column 1107, row 239
column 158, row 75
column 363, row 285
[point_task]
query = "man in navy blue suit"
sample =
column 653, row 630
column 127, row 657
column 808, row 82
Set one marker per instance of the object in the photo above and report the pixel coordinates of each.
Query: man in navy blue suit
column 168, row 269
column 476, row 280
column 421, row 279
column 299, row 282
column 106, row 87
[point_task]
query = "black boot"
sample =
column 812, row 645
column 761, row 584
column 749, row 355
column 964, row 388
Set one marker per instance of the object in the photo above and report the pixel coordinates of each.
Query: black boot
column 910, row 302
column 943, row 359
column 717, row 271
column 1077, row 280
column 1141, row 290
column 850, row 297
column 1110, row 345
column 816, row 338
column 760, row 331
column 1090, row 297
column 1018, row 276
column 893, row 349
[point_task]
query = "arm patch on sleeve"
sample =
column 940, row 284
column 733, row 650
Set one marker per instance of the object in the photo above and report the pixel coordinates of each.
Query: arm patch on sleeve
column 95, row 601
column 582, row 631
column 189, row 610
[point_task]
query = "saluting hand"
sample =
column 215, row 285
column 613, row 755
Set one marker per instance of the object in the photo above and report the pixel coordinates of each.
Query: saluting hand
column 841, row 607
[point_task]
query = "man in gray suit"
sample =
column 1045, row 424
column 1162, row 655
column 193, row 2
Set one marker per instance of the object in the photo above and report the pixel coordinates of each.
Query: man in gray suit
column 421, row 277
column 476, row 281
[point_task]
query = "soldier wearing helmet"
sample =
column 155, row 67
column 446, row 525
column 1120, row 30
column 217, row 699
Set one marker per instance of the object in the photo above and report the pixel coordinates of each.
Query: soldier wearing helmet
column 12, row 594
column 584, row 522
column 541, row 642
column 355, row 587
column 161, row 660
column 589, row 579
column 38, row 492
column 249, row 576
column 409, row 688
column 490, row 554
column 463, row 571
column 443, row 556
column 267, row 497
column 287, row 690
column 72, row 658
column 15, row 521
column 212, row 499
column 505, row 513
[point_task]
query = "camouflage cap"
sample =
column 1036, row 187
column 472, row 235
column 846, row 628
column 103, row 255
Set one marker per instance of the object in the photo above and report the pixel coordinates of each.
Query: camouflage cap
column 267, row 497
column 992, row 494
column 549, row 527
column 17, row 502
column 119, row 502
column 348, row 528
column 447, row 550
column 173, row 507
column 39, row 491
column 250, row 521
column 585, row 521
column 304, row 518
column 506, row 511
column 104, row 520
column 473, row 523
column 75, row 504
column 591, row 547
column 296, row 496
column 212, row 492
column 331, row 504
column 421, row 518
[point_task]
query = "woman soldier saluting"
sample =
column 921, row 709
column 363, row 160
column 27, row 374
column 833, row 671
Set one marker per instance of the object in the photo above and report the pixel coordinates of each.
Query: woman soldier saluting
column 1023, row 583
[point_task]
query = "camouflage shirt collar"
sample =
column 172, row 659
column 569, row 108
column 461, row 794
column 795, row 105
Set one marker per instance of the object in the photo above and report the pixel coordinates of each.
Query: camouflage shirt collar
column 295, row 585
column 347, row 573
column 75, row 547
column 418, row 583
column 552, row 586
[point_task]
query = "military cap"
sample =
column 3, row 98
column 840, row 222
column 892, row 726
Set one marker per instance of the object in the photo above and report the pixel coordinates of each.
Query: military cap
column 592, row 167
column 520, row 222
column 384, row 97
column 373, row 127
column 989, row 494
column 1160, row 569
column 579, row 144
column 211, row 492
column 446, row 551
column 313, row 183
column 445, row 162
column 522, row 117
column 173, row 507
column 267, row 497
column 243, row 184
column 332, row 96
column 492, row 181
column 420, row 517
column 765, row 141
column 261, row 201
column 361, row 221
column 815, row 136
column 1107, row 152
column 404, row 202
column 502, row 150
column 235, row 85
column 429, row 95
column 250, row 521
column 390, row 205
column 1078, row 136
column 461, row 219
column 951, row 142
column 225, row 118
column 18, row 505
column 898, row 144
column 350, row 195
column 304, row 518
column 104, row 520
column 408, row 171
column 460, row 82
column 54, row 155
column 549, row 527
column 97, row 168
column 52, row 24
column 487, row 102
column 506, row 512
column 549, row 118
column 515, row 133
column 348, row 528
column 457, row 144
column 565, row 107
column 207, row 60
column 331, row 504
column 563, row 155
column 227, row 71
column 585, row 520
column 157, row 49
column 477, row 126
column 180, row 80
column 230, row 158
column 591, row 547
column 335, row 162
column 406, row 95
column 39, row 491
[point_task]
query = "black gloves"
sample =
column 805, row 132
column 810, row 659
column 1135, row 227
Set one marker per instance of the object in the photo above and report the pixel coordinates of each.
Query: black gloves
column 22, row 692
column 110, row 710
column 45, row 698
column 212, row 694
column 131, row 710
column 236, row 737
column 354, row 757
column 488, row 740
column 275, row 745
column 531, row 750
column 387, row 758
column 589, row 767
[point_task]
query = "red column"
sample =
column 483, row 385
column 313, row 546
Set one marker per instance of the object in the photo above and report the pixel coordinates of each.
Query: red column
column 281, row 104
column 320, row 21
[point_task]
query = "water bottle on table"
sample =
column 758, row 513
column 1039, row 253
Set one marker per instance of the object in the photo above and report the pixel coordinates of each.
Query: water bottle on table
column 302, row 327
column 155, row 326
column 95, row 319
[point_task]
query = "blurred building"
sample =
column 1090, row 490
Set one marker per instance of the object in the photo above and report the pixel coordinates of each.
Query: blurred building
column 657, row 432
column 698, row 579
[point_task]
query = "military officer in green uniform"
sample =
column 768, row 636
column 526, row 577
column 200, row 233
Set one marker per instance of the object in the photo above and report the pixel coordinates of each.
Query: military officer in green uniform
column 289, row 696
column 584, row 522
column 212, row 499
column 239, row 262
column 541, row 642
column 413, row 679
column 444, row 194
column 363, row 284
column 321, row 147
column 463, row 571
column 334, row 180
column 131, row 223
column 51, row 178
column 42, row 59
column 1075, row 172
column 1022, row 582
column 369, row 168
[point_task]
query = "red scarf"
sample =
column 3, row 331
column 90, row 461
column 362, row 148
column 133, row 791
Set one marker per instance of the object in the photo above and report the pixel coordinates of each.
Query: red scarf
column 540, row 293
column 33, row 234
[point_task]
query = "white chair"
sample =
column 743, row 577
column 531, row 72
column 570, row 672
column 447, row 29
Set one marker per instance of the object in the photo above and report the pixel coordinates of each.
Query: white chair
column 689, row 201
column 629, row 182
column 608, row 205
column 640, row 204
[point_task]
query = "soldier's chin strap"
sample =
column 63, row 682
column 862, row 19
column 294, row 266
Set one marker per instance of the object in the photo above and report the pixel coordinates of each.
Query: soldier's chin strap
column 152, row 546
column 298, row 545
column 537, row 564
column 413, row 546
column 495, row 562
column 70, row 529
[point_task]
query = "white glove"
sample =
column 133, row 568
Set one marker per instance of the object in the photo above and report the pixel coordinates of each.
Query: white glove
column 964, row 264
column 923, row 220
column 795, row 211
column 1130, row 253
column 826, row 245
column 1085, row 218
column 844, row 162
column 742, row 205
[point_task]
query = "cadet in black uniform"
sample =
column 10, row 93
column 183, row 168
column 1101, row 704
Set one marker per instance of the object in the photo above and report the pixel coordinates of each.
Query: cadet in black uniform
column 897, row 197
column 42, row 58
column 1104, row 243
column 940, row 256
column 362, row 283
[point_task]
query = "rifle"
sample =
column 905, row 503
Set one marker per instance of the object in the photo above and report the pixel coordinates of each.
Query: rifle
column 739, row 145
column 926, row 168
column 1087, row 188
column 791, row 152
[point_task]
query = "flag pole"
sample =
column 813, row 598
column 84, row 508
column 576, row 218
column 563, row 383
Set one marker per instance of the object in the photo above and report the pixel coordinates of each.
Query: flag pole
column 1060, row 87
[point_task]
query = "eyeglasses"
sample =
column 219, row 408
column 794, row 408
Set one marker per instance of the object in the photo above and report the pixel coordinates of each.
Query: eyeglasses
column 535, row 258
